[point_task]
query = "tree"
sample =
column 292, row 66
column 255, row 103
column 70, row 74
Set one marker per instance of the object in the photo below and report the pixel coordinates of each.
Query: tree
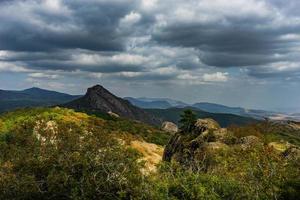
column 187, row 121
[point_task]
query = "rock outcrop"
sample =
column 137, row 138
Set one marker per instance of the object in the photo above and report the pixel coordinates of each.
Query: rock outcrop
column 203, row 125
column 169, row 127
column 208, row 141
column 207, row 136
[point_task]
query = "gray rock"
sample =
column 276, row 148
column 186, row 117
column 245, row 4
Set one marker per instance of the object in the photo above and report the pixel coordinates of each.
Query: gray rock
column 169, row 127
column 203, row 125
column 112, row 114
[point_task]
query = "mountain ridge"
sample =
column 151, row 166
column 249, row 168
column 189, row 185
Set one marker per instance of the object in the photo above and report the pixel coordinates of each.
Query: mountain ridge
column 32, row 97
column 224, row 119
column 99, row 99
column 162, row 103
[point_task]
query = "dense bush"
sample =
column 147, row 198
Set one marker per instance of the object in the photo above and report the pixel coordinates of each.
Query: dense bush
column 67, row 159
column 233, row 174
column 174, row 182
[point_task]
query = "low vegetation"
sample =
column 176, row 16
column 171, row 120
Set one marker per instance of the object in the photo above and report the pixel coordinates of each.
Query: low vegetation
column 56, row 153
column 270, row 131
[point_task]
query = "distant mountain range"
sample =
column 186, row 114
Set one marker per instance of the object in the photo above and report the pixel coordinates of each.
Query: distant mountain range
column 98, row 100
column 101, row 100
column 33, row 97
column 225, row 120
column 163, row 103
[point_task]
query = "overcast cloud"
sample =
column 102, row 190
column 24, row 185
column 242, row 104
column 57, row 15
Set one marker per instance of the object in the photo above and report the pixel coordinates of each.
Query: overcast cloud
column 238, row 52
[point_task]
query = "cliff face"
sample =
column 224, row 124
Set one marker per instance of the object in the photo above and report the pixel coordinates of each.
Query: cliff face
column 99, row 99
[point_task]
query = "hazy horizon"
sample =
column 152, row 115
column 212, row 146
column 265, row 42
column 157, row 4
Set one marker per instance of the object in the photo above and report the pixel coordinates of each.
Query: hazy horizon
column 282, row 109
column 241, row 53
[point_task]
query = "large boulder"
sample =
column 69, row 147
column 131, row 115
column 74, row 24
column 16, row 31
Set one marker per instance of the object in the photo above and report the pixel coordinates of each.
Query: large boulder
column 169, row 127
column 187, row 148
column 203, row 125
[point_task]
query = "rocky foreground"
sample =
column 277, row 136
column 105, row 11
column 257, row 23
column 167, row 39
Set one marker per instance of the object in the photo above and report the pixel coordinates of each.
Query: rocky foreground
column 208, row 139
column 56, row 153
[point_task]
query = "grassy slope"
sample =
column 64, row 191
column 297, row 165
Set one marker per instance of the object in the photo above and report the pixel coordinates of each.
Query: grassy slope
column 30, row 171
column 269, row 131
column 112, row 125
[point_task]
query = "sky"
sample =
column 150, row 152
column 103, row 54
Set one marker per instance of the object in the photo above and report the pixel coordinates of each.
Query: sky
column 238, row 52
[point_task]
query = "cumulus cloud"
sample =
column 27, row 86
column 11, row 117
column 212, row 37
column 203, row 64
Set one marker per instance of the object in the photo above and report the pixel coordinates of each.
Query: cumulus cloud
column 158, row 41
column 43, row 75
column 216, row 77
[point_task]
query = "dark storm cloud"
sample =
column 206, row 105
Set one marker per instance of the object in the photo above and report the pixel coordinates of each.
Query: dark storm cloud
column 76, row 24
column 281, row 70
column 111, row 36
column 235, row 44
column 37, row 56
column 263, row 74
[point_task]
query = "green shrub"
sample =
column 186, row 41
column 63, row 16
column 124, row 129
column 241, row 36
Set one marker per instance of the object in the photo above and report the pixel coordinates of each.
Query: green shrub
column 174, row 182
column 72, row 161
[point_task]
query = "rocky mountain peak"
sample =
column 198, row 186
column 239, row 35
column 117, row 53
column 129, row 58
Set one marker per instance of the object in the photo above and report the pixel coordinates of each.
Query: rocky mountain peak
column 97, row 89
column 99, row 99
column 99, row 93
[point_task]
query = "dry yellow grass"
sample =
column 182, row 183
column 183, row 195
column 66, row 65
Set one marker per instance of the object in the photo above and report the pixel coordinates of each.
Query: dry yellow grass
column 75, row 117
column 152, row 154
column 279, row 146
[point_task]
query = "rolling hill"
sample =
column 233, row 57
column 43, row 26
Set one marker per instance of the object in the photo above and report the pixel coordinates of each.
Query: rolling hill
column 148, row 104
column 165, row 103
column 33, row 97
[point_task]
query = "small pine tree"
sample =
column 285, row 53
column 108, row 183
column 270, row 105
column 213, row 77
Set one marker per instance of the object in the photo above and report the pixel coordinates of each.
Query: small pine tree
column 187, row 121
